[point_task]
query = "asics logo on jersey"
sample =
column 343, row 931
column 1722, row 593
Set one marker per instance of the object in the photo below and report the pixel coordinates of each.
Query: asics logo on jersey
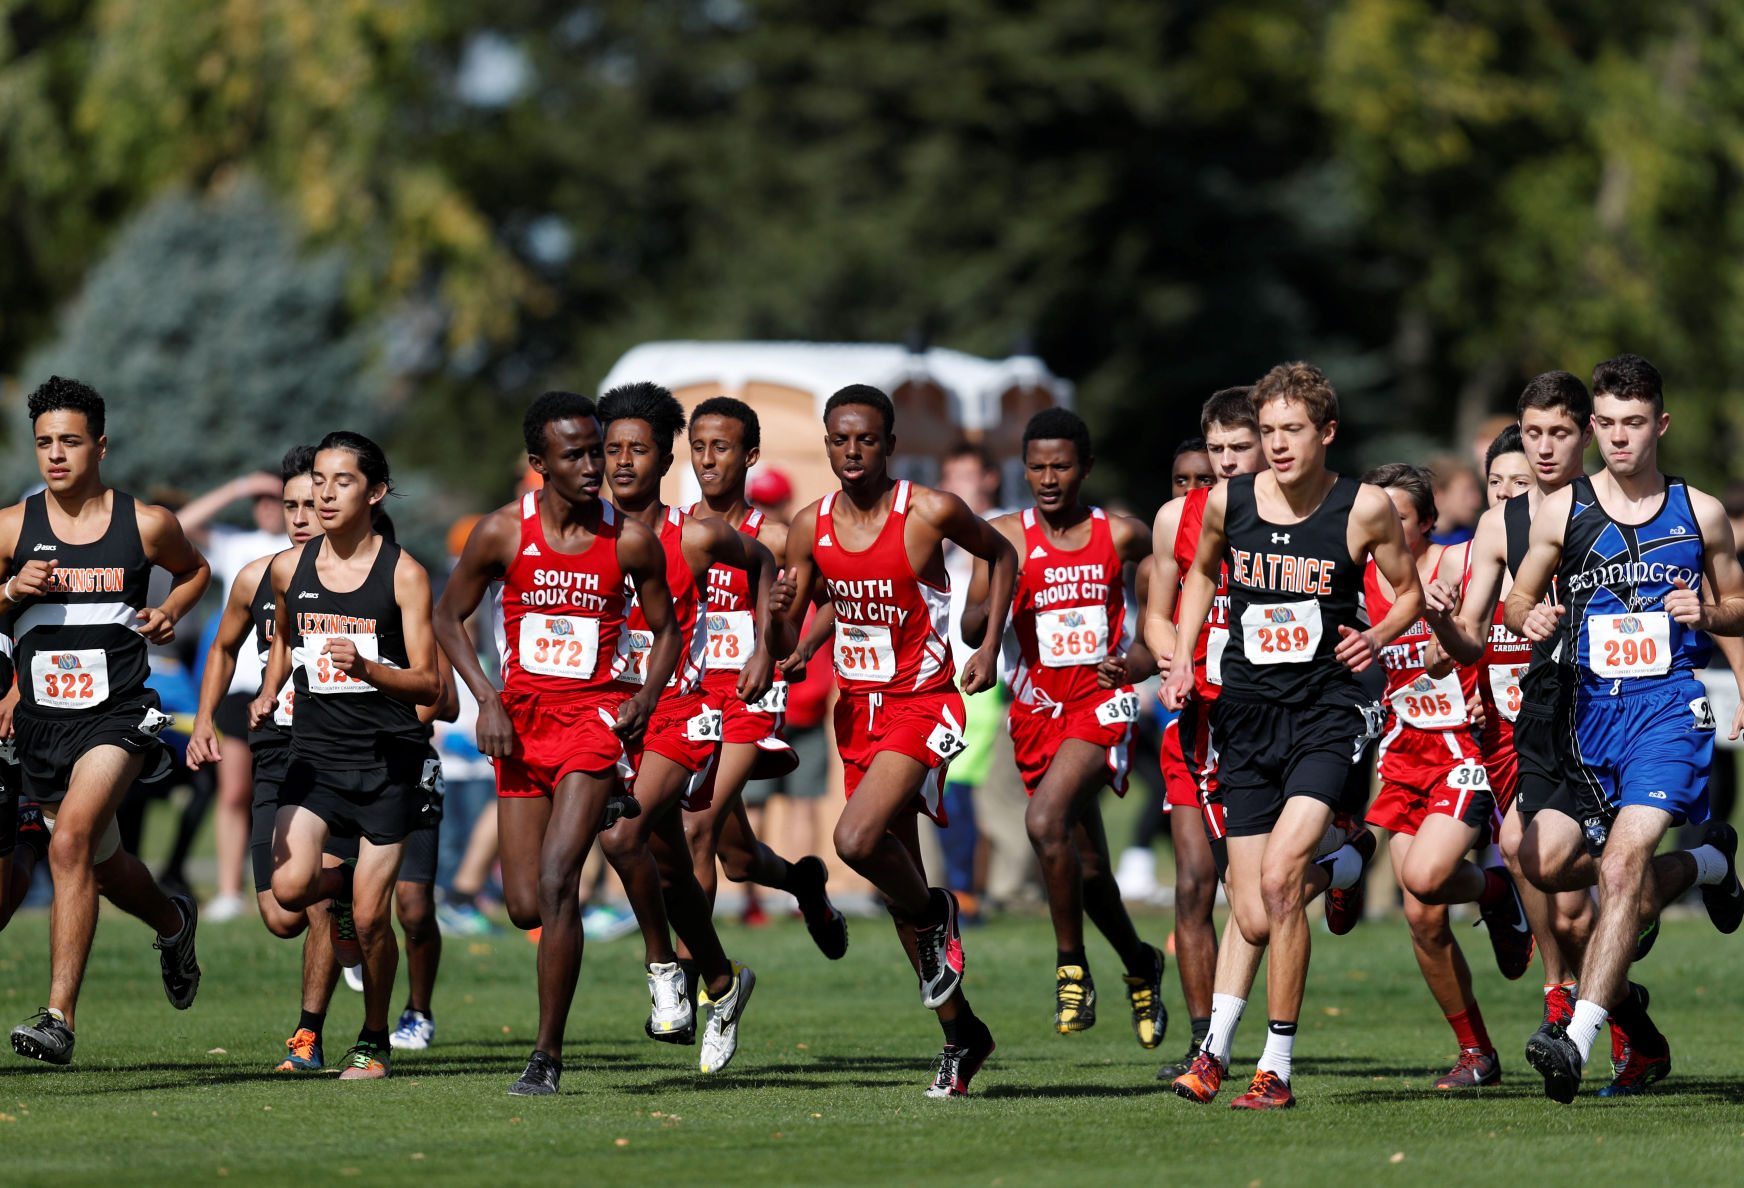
column 532, row 550
column 308, row 594
column 43, row 548
column 1280, row 538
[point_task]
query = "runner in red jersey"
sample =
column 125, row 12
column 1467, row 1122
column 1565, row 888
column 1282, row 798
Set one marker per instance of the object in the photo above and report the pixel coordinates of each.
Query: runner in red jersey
column 724, row 439
column 1435, row 798
column 558, row 730
column 1073, row 709
column 874, row 552
column 641, row 423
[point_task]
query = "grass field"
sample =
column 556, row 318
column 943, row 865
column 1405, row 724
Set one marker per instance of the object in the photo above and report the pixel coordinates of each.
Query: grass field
column 826, row 1087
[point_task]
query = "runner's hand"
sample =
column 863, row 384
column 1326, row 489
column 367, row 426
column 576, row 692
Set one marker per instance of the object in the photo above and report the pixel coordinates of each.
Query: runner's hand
column 757, row 677
column 1357, row 650
column 1540, row 622
column 981, row 673
column 496, row 734
column 783, row 593
column 1179, row 685
column 632, row 722
column 157, row 627
column 1685, row 605
column 261, row 710
column 343, row 652
column 31, row 579
column 1111, row 673
column 1440, row 600
column 202, row 745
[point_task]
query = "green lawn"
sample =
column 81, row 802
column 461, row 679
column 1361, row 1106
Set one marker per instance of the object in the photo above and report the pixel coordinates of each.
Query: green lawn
column 826, row 1088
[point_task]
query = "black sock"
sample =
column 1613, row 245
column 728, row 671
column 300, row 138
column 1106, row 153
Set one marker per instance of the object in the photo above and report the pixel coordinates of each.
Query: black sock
column 1149, row 963
column 424, row 1013
column 377, row 1039
column 962, row 1028
column 1201, row 1029
column 688, row 967
column 1073, row 957
column 312, row 1021
column 789, row 880
column 1631, row 1016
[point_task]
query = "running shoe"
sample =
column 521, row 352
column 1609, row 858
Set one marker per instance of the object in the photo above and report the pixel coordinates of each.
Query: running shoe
column 958, row 1064
column 1150, row 1018
column 345, row 946
column 940, row 950
column 221, row 909
column 1074, row 999
column 1724, row 899
column 720, row 1033
column 1510, row 933
column 602, row 922
column 181, row 971
column 1202, row 1079
column 1640, row 1066
column 33, row 830
column 304, row 1053
column 1269, row 1091
column 414, row 1032
column 540, row 1079
column 44, row 1036
column 1559, row 1006
column 619, row 808
column 1473, row 1070
column 354, row 978
column 1555, row 1056
column 1172, row 1072
column 463, row 919
column 827, row 925
column 1344, row 908
column 364, row 1062
column 672, row 1018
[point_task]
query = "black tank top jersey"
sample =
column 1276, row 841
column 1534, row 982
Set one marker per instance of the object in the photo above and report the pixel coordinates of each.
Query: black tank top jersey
column 341, row 722
column 1274, row 570
column 76, row 647
column 261, row 610
column 1544, row 683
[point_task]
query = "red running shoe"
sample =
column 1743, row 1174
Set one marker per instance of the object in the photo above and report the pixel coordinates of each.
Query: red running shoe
column 1269, row 1092
column 1202, row 1080
column 1345, row 908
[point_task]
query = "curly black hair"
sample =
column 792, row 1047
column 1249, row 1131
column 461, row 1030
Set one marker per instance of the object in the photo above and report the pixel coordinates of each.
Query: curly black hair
column 552, row 406
column 750, row 432
column 55, row 394
column 1059, row 424
column 645, row 402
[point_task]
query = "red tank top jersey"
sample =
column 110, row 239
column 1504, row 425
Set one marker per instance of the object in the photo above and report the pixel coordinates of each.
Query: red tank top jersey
column 732, row 633
column 891, row 627
column 1504, row 661
column 1068, row 611
column 688, row 604
column 1208, row 652
column 1431, row 718
column 562, row 613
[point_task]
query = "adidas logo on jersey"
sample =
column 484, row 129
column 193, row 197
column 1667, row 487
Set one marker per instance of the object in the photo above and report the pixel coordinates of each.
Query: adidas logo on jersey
column 1038, row 551
column 532, row 550
column 823, row 540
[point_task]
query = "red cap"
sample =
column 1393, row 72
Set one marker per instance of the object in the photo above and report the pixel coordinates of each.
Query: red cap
column 769, row 487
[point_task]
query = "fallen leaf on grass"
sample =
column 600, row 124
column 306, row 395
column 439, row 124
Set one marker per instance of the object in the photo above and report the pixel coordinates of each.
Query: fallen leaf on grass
column 1396, row 1157
column 7, row 1118
column 417, row 1154
column 1333, row 1011
column 216, row 1052
column 620, row 1142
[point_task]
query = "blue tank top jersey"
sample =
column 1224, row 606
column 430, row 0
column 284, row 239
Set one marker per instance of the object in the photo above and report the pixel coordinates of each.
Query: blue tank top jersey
column 1614, row 578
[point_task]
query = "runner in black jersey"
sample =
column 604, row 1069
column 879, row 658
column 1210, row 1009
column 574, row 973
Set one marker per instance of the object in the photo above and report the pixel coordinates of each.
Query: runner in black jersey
column 77, row 558
column 20, row 819
column 1292, row 718
column 352, row 632
column 248, row 620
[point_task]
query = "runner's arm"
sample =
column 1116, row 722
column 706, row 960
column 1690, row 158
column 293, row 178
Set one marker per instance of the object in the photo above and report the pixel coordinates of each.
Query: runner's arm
column 1723, row 580
column 489, row 548
column 1164, row 584
column 278, row 660
column 644, row 563
column 1197, row 592
column 166, row 546
column 234, row 624
column 1461, row 618
column 956, row 523
column 973, row 626
column 1522, row 613
column 1386, row 545
column 420, row 682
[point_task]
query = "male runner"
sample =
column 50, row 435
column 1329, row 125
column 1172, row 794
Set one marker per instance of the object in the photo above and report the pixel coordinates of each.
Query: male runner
column 1291, row 718
column 21, row 821
column 724, row 440
column 1632, row 552
column 874, row 552
column 351, row 630
column 641, row 422
column 1073, row 708
column 79, row 557
column 567, row 560
column 1435, row 797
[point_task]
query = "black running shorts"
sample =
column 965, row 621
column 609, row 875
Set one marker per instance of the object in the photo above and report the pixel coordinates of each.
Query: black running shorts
column 377, row 803
column 1268, row 753
column 1541, row 735
column 48, row 747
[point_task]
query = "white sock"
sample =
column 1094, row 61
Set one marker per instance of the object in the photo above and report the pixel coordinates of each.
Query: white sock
column 1279, row 1045
column 1226, row 1012
column 1710, row 865
column 1345, row 866
column 1583, row 1029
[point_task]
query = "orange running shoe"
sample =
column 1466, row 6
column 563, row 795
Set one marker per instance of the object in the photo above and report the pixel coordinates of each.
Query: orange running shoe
column 1269, row 1092
column 1344, row 908
column 364, row 1062
column 305, row 1053
column 1202, row 1080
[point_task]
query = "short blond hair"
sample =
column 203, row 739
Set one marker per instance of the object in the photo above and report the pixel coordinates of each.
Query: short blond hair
column 1301, row 383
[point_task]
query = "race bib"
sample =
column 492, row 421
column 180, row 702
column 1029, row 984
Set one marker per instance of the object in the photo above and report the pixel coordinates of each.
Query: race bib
column 1121, row 708
column 324, row 678
column 1281, row 632
column 558, row 645
column 1635, row 645
column 1077, row 635
column 705, row 727
column 1703, row 712
column 1428, row 703
column 1470, row 776
column 731, row 639
column 1216, row 642
column 772, row 702
column 636, row 645
column 864, row 653
column 285, row 705
column 70, row 680
column 945, row 742
column 1505, row 689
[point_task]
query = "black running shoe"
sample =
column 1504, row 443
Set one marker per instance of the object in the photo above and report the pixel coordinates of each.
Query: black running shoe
column 827, row 925
column 1172, row 1072
column 940, row 950
column 958, row 1064
column 1644, row 941
column 1510, row 933
column 1724, row 899
column 619, row 808
column 181, row 972
column 540, row 1079
column 1554, row 1055
column 33, row 830
column 1150, row 1018
column 45, row 1037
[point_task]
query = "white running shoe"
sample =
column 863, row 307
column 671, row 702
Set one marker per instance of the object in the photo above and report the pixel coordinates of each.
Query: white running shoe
column 221, row 909
column 414, row 1031
column 354, row 977
column 1136, row 874
column 672, row 1019
column 720, row 1035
